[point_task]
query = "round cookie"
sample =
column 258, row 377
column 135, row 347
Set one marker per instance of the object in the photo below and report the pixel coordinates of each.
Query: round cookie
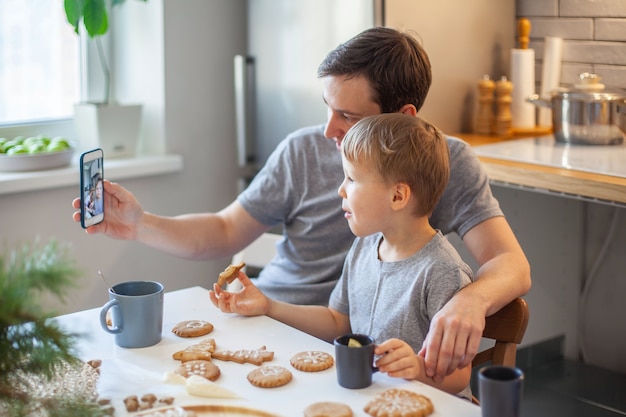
column 205, row 369
column 312, row 361
column 192, row 328
column 328, row 409
column 270, row 376
column 400, row 403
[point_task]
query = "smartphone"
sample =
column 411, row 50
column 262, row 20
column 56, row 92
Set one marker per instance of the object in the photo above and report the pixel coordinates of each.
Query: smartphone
column 91, row 187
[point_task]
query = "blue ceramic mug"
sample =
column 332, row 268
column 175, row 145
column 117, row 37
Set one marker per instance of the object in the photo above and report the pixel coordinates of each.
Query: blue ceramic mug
column 136, row 313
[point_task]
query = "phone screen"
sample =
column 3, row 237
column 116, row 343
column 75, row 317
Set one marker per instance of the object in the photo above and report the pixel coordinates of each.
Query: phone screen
column 91, row 187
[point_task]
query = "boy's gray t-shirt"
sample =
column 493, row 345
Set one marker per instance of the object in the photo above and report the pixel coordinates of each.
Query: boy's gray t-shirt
column 297, row 187
column 398, row 299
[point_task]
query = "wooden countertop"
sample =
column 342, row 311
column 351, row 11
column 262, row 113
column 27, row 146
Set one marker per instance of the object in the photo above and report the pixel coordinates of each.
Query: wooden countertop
column 560, row 180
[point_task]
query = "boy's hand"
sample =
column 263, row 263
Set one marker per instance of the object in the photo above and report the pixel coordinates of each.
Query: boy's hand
column 397, row 359
column 249, row 301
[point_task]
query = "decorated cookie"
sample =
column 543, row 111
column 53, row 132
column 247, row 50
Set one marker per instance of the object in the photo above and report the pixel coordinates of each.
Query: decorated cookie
column 205, row 369
column 202, row 350
column 256, row 356
column 328, row 409
column 229, row 274
column 312, row 361
column 270, row 376
column 192, row 328
column 399, row 402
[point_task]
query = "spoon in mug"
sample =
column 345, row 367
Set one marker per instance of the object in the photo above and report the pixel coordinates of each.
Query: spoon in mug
column 105, row 280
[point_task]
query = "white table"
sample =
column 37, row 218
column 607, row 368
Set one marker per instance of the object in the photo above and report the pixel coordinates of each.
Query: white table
column 138, row 371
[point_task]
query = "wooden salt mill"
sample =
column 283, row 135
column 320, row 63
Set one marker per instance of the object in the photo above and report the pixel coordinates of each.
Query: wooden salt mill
column 484, row 121
column 503, row 103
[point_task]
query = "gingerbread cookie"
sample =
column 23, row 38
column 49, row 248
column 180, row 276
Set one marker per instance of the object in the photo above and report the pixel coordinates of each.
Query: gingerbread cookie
column 400, row 403
column 328, row 409
column 256, row 357
column 229, row 274
column 312, row 361
column 192, row 328
column 205, row 369
column 270, row 376
column 202, row 350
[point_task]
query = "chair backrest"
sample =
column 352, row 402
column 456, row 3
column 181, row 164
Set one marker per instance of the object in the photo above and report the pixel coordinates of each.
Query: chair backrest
column 506, row 327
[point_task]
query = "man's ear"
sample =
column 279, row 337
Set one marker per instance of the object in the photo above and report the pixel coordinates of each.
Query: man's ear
column 401, row 196
column 408, row 109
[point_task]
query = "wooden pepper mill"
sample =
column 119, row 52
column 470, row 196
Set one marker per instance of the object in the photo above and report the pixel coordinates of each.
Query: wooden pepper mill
column 484, row 121
column 503, row 102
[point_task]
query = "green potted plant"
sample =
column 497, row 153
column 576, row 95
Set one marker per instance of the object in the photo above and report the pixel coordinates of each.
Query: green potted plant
column 105, row 124
column 39, row 372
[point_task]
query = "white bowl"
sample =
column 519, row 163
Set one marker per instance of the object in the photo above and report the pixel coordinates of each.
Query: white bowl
column 35, row 162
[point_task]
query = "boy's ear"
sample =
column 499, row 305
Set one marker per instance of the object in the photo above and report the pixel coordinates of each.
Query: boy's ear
column 401, row 196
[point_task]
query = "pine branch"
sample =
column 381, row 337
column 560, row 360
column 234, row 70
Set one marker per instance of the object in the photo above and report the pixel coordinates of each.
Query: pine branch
column 32, row 346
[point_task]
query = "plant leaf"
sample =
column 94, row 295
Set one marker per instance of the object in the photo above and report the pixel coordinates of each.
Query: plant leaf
column 73, row 12
column 95, row 17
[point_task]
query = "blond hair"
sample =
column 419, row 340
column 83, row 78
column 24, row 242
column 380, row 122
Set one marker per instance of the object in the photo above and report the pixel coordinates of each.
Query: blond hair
column 403, row 149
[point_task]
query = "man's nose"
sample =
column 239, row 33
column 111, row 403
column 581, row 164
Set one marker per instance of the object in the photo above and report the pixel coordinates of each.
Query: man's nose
column 334, row 130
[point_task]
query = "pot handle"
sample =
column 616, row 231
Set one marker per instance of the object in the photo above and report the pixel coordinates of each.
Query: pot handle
column 537, row 101
column 621, row 115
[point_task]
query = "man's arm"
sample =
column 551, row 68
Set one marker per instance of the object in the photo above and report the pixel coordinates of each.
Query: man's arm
column 192, row 236
column 504, row 274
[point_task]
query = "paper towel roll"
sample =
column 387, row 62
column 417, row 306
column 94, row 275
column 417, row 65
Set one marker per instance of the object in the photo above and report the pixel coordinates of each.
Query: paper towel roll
column 550, row 74
column 523, row 114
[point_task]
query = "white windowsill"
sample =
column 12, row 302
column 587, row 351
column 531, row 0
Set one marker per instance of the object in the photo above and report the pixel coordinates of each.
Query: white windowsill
column 114, row 169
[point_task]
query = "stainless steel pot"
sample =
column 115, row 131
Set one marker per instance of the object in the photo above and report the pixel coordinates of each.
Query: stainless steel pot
column 587, row 113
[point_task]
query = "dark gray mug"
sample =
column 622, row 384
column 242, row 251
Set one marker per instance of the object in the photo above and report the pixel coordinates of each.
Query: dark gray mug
column 500, row 391
column 136, row 313
column 355, row 365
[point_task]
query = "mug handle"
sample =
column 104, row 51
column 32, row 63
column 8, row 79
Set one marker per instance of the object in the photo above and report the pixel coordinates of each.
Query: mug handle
column 103, row 318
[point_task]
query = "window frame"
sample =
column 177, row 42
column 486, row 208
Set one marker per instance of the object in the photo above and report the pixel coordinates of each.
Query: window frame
column 91, row 83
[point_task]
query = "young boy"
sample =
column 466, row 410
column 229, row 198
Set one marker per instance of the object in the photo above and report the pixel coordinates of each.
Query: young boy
column 399, row 271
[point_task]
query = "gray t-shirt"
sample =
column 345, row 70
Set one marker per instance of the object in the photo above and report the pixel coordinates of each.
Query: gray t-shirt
column 297, row 188
column 398, row 299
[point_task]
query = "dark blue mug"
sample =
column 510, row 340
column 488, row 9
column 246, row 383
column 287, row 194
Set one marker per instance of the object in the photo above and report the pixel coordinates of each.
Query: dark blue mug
column 500, row 391
column 355, row 364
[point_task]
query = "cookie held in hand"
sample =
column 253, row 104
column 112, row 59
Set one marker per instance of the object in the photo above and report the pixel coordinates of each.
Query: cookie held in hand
column 229, row 274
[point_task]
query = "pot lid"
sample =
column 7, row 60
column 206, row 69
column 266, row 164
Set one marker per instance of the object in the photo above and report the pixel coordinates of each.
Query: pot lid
column 589, row 88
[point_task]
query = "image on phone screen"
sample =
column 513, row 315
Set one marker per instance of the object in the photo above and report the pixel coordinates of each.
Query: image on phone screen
column 91, row 187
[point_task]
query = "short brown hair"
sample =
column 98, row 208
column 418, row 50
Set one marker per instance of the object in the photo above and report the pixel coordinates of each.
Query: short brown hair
column 394, row 63
column 405, row 149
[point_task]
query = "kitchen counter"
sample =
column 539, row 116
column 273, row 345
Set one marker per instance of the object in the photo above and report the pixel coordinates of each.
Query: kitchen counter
column 589, row 172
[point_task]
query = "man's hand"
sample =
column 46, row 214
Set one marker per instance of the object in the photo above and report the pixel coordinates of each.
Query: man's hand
column 122, row 213
column 454, row 336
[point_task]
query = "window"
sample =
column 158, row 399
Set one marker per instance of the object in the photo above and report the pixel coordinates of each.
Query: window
column 39, row 62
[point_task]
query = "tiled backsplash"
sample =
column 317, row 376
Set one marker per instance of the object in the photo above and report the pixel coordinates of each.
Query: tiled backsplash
column 593, row 32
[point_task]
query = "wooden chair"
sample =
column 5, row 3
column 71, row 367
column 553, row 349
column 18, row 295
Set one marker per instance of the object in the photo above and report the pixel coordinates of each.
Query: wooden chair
column 506, row 327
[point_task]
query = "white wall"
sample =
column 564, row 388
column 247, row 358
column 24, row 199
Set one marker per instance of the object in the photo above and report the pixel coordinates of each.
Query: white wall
column 200, row 38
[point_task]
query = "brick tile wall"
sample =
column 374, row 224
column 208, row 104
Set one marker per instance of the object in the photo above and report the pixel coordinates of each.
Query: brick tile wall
column 593, row 32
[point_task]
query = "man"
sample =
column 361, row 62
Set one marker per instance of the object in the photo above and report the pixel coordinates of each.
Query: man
column 378, row 71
